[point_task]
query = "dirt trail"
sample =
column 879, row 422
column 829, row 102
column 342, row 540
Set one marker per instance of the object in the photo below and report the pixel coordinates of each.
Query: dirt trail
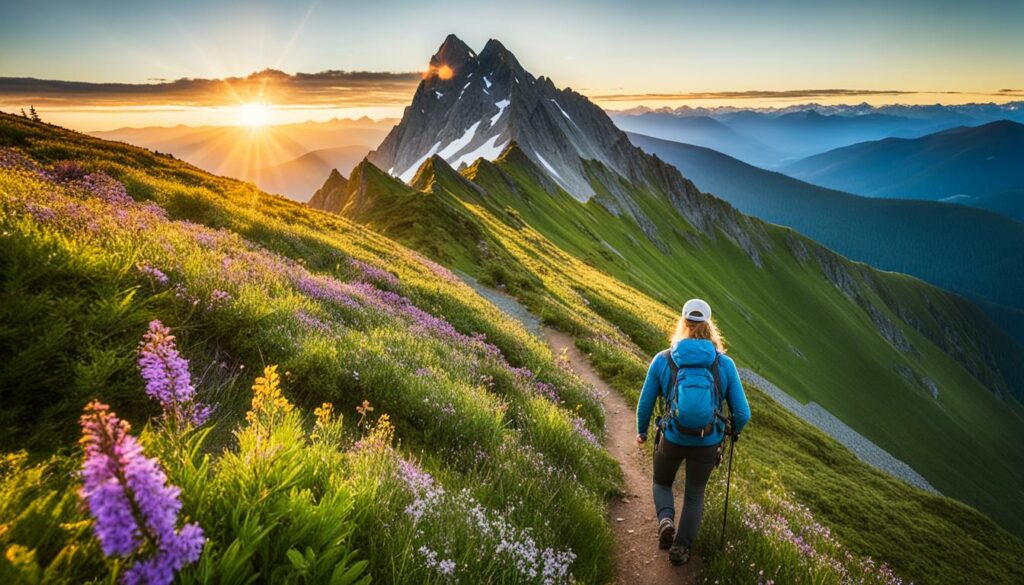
column 639, row 561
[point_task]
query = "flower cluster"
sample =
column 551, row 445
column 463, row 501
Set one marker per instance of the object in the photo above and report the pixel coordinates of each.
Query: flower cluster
column 167, row 378
column 793, row 525
column 155, row 275
column 580, row 426
column 311, row 322
column 370, row 273
column 218, row 298
column 445, row 567
column 269, row 406
column 328, row 427
column 136, row 511
column 533, row 563
column 379, row 438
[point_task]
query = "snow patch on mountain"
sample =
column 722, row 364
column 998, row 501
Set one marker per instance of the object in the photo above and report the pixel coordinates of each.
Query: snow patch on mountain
column 411, row 171
column 489, row 150
column 548, row 166
column 501, row 110
column 559, row 106
column 458, row 144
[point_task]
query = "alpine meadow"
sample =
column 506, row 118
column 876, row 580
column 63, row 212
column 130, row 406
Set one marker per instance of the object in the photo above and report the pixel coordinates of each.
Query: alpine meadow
column 398, row 321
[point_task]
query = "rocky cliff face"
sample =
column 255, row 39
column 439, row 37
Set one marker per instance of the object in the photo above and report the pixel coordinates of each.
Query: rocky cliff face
column 471, row 106
column 330, row 196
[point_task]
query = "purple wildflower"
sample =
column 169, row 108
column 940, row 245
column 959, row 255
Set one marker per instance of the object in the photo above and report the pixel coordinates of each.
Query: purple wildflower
column 312, row 322
column 446, row 567
column 167, row 377
column 182, row 292
column 154, row 273
column 136, row 511
column 40, row 213
column 414, row 477
column 521, row 373
column 422, row 372
column 371, row 273
column 107, row 188
column 546, row 390
column 580, row 427
column 326, row 289
column 218, row 298
column 67, row 171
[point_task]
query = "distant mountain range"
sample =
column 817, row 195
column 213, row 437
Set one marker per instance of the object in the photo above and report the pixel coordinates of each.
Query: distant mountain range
column 297, row 177
column 773, row 137
column 980, row 166
column 974, row 252
column 280, row 159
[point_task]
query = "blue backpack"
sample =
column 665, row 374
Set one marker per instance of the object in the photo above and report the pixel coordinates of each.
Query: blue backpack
column 693, row 405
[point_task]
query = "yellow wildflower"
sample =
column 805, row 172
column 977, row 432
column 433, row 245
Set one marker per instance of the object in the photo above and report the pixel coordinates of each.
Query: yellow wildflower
column 268, row 403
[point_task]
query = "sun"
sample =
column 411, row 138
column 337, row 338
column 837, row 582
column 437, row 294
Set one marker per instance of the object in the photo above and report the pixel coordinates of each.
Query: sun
column 253, row 115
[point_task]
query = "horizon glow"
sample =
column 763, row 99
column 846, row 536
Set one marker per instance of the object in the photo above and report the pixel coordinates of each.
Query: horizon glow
column 648, row 53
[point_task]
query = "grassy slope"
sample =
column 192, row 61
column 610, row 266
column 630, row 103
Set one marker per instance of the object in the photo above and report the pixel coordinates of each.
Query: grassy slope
column 930, row 240
column 907, row 527
column 74, row 306
column 849, row 369
column 846, row 365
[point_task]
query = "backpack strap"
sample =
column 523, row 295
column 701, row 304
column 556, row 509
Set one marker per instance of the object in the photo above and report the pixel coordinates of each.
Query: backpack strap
column 672, row 367
column 716, row 379
column 667, row 397
column 719, row 397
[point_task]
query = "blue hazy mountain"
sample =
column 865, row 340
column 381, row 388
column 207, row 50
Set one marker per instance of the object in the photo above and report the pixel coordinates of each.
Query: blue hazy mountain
column 974, row 252
column 769, row 137
column 703, row 131
column 980, row 166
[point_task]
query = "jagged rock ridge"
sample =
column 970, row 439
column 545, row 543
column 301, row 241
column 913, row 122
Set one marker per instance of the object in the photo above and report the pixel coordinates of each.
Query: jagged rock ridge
column 470, row 106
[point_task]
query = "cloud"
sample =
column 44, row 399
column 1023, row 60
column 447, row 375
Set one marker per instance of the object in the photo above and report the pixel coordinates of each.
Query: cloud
column 323, row 89
column 752, row 95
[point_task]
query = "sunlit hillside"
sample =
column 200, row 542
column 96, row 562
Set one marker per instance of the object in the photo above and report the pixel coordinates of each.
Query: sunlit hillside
column 483, row 417
column 268, row 155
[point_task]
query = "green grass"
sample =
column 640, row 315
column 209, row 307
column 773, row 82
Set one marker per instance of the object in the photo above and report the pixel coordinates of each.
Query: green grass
column 76, row 302
column 788, row 321
column 767, row 313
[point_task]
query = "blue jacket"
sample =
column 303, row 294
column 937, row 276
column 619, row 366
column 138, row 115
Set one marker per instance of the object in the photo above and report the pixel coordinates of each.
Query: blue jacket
column 692, row 352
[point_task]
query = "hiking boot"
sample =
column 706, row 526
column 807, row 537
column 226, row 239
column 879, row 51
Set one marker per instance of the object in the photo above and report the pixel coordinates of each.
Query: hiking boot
column 666, row 533
column 678, row 555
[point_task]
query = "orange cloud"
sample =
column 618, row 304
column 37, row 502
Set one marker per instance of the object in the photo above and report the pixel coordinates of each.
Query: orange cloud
column 324, row 89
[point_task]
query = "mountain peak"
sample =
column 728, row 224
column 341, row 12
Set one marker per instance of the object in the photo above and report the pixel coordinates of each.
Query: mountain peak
column 330, row 196
column 495, row 50
column 476, row 105
column 453, row 53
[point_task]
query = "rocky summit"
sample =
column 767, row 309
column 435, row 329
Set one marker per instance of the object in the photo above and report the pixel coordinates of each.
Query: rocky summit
column 471, row 106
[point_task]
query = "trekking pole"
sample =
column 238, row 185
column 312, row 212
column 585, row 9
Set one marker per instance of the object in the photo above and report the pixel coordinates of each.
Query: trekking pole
column 728, row 481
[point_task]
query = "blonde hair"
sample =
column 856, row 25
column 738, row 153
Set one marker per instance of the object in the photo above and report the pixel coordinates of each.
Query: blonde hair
column 687, row 329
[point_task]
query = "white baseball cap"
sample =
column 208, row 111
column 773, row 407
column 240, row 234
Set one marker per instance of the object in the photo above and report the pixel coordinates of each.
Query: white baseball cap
column 696, row 310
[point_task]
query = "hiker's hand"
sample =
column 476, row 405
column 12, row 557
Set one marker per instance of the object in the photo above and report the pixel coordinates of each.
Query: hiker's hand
column 641, row 439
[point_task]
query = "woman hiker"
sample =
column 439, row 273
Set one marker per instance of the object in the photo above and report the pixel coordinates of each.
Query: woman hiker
column 693, row 377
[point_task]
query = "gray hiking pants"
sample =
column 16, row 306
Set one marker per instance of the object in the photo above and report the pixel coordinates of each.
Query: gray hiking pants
column 700, row 462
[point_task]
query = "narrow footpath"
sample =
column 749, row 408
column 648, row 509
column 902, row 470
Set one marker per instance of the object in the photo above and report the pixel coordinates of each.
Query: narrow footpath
column 638, row 561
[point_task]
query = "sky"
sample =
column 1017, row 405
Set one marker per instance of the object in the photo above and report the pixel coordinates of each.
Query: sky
column 620, row 54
